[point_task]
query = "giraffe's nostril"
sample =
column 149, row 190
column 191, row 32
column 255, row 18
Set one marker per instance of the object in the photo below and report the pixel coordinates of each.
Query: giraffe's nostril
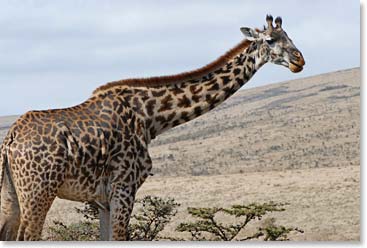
column 297, row 54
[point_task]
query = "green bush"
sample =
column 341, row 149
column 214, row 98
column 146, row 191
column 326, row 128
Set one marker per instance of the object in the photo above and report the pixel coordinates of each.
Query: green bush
column 151, row 217
column 207, row 227
column 81, row 231
column 152, row 214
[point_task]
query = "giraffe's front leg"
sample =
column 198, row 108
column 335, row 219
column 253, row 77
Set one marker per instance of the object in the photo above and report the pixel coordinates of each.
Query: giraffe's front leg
column 104, row 223
column 104, row 218
column 121, row 206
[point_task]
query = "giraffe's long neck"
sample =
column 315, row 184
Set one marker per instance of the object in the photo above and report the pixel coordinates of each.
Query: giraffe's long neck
column 174, row 104
column 166, row 106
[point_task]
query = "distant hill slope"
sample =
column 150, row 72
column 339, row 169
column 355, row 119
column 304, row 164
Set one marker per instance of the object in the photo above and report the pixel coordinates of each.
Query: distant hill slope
column 305, row 123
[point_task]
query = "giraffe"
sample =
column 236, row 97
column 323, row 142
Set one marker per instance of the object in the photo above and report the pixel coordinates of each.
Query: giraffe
column 97, row 151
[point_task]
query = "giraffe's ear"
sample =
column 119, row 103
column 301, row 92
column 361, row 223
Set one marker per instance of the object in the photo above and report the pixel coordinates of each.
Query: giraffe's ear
column 250, row 33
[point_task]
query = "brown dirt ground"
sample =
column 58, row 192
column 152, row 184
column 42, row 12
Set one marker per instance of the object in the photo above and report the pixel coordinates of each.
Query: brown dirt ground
column 324, row 202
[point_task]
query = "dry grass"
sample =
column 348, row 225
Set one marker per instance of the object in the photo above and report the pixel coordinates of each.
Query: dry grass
column 307, row 123
column 324, row 202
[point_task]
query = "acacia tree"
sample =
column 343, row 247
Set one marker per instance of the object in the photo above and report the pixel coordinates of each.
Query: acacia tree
column 152, row 214
column 207, row 227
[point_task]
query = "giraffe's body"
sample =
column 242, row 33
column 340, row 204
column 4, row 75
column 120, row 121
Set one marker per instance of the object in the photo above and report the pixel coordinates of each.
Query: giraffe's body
column 98, row 151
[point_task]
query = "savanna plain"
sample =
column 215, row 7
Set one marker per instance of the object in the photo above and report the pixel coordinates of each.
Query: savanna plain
column 295, row 142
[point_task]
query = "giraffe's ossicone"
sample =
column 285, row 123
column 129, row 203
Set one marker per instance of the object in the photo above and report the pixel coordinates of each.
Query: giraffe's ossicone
column 97, row 151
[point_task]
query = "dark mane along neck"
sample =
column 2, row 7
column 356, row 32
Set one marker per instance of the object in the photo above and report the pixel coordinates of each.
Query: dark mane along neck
column 164, row 80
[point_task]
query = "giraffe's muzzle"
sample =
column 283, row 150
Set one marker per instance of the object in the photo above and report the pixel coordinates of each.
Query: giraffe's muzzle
column 297, row 62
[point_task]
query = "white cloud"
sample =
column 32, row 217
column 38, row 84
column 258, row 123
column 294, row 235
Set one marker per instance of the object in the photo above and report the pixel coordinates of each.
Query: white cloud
column 81, row 44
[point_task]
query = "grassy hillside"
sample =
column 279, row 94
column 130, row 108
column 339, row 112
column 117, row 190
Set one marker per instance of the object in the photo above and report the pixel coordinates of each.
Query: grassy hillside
column 305, row 123
column 295, row 142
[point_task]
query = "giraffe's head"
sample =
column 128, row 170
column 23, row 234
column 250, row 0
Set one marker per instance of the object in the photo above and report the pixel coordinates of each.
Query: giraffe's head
column 275, row 44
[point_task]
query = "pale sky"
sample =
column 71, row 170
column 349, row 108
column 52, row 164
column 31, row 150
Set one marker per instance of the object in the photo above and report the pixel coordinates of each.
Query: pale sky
column 54, row 53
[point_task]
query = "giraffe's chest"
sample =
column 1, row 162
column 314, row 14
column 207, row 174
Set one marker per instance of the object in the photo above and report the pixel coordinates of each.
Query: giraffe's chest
column 99, row 154
column 85, row 177
column 86, row 183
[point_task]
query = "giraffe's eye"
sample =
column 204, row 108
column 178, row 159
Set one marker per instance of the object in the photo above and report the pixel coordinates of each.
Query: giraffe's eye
column 270, row 42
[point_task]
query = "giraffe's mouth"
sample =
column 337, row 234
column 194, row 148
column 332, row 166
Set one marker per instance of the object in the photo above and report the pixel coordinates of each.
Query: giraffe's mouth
column 295, row 67
column 296, row 62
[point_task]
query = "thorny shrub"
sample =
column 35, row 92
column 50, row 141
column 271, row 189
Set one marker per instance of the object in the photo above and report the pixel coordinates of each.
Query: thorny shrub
column 152, row 214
